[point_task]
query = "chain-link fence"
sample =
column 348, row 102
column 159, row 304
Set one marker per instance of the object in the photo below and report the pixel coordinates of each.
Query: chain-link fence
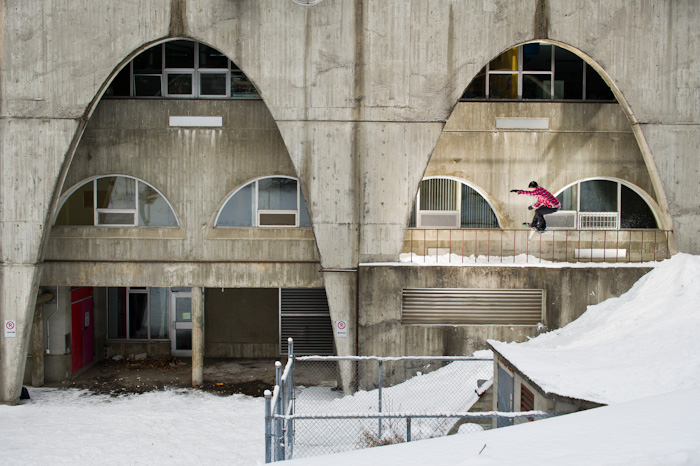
column 331, row 404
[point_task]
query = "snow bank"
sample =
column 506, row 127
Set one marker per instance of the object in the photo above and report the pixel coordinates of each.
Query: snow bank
column 645, row 342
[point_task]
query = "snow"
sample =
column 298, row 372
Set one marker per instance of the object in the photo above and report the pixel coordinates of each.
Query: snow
column 638, row 352
column 644, row 343
column 519, row 260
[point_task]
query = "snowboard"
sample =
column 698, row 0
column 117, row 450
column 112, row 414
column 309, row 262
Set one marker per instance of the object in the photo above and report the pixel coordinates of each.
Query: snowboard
column 535, row 230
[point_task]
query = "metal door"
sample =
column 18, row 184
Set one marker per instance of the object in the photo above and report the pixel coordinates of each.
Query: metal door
column 181, row 327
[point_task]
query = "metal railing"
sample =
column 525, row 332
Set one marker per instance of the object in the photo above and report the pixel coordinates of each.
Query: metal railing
column 393, row 400
column 464, row 246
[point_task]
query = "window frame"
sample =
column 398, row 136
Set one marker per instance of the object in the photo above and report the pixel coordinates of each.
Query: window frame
column 256, row 211
column 460, row 182
column 619, row 219
column 145, row 290
column 196, row 72
column 520, row 73
column 97, row 211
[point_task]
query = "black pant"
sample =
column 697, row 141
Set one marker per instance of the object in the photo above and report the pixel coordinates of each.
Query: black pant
column 538, row 220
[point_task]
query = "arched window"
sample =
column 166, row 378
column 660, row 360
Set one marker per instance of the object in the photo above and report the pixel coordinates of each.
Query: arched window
column 448, row 203
column 266, row 202
column 182, row 69
column 538, row 71
column 602, row 204
column 116, row 201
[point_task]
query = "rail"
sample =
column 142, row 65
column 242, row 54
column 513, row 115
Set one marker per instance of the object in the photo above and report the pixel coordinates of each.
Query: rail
column 464, row 246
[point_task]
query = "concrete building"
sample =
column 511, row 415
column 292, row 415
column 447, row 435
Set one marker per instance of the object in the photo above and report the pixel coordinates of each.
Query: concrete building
column 235, row 171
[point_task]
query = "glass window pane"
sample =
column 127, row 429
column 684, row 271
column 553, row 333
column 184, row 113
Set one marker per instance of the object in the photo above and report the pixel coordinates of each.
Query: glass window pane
column 503, row 86
column 568, row 75
column 596, row 88
column 477, row 88
column 240, row 84
column 569, row 198
column 277, row 194
column 304, row 219
column 507, row 61
column 120, row 85
column 599, row 196
column 154, row 210
column 158, row 308
column 116, row 312
column 149, row 61
column 476, row 212
column 211, row 58
column 537, row 57
column 183, row 339
column 438, row 194
column 179, row 54
column 78, row 210
column 109, row 218
column 212, row 84
column 179, row 83
column 277, row 219
column 138, row 315
column 537, row 86
column 183, row 309
column 635, row 212
column 116, row 192
column 238, row 211
column 147, row 86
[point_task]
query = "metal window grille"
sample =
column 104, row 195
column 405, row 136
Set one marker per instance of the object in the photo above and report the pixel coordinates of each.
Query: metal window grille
column 599, row 220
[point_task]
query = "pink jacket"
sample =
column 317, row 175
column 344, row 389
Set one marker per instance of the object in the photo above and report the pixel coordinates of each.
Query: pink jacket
column 544, row 197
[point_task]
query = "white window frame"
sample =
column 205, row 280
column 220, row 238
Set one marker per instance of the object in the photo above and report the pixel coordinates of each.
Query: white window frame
column 520, row 72
column 256, row 211
column 97, row 211
column 458, row 212
column 617, row 221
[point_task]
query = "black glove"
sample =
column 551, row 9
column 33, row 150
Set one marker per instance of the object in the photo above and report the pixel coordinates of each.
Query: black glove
column 513, row 190
column 530, row 207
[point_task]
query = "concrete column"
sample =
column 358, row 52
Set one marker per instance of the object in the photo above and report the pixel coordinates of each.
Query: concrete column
column 341, row 286
column 38, row 340
column 197, row 337
column 18, row 287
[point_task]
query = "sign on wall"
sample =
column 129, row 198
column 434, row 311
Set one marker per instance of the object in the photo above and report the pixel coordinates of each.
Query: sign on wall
column 10, row 329
column 341, row 328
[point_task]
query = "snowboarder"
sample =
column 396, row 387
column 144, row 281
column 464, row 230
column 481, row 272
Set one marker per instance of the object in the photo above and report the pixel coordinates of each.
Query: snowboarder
column 545, row 204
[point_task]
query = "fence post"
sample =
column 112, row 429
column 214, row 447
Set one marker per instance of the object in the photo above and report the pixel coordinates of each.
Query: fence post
column 279, row 438
column 408, row 429
column 291, row 398
column 268, row 427
column 380, row 398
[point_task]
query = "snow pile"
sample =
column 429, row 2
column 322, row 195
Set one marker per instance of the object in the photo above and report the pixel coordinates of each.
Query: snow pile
column 644, row 343
column 173, row 427
column 657, row 431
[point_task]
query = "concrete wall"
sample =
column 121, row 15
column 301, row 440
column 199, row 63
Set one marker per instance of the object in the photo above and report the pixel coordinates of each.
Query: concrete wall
column 584, row 140
column 359, row 89
column 569, row 290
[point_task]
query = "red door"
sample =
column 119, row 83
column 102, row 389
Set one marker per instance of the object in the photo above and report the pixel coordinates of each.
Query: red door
column 82, row 327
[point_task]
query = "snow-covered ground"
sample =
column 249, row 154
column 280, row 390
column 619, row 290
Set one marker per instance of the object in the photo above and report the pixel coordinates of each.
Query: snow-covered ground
column 655, row 325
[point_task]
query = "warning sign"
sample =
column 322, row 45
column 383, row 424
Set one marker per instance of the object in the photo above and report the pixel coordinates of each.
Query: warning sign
column 341, row 328
column 10, row 329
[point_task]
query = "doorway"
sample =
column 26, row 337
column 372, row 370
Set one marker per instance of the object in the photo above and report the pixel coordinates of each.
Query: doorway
column 181, row 324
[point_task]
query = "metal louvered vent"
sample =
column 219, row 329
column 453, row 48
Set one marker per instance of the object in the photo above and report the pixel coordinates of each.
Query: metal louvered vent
column 305, row 317
column 462, row 306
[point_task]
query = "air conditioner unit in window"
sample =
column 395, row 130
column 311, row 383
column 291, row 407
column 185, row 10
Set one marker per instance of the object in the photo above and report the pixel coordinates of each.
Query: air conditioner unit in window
column 562, row 220
column 438, row 219
column 277, row 219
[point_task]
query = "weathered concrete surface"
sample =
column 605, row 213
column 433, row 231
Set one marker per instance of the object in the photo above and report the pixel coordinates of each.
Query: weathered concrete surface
column 569, row 290
column 357, row 61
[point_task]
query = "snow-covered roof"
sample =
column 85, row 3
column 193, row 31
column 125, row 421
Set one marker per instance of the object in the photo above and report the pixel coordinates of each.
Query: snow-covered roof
column 644, row 343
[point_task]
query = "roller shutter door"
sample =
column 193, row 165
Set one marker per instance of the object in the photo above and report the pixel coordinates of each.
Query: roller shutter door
column 305, row 317
column 462, row 306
